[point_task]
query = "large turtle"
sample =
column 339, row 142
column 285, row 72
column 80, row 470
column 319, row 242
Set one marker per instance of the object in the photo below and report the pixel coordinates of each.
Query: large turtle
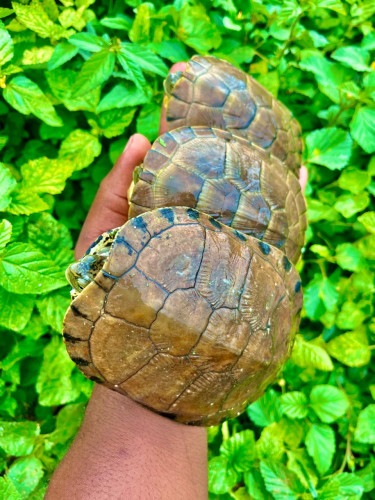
column 240, row 184
column 190, row 308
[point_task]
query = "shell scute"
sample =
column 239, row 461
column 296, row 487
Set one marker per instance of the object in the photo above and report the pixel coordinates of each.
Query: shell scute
column 142, row 296
column 160, row 370
column 109, row 348
column 177, row 334
column 168, row 259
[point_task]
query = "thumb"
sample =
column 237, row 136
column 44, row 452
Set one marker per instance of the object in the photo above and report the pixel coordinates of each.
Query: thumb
column 110, row 206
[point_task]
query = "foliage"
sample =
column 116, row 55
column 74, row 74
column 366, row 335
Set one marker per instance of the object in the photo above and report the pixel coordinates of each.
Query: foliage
column 77, row 77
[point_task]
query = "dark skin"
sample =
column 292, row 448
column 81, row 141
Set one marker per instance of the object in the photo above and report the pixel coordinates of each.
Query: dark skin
column 123, row 450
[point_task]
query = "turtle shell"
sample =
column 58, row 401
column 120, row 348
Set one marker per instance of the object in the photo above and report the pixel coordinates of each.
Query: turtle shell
column 240, row 184
column 188, row 317
column 213, row 93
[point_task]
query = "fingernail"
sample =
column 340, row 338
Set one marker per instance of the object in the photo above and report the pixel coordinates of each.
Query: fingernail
column 128, row 143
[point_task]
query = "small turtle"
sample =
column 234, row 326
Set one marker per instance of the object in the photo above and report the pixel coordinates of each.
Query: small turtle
column 213, row 93
column 187, row 316
column 190, row 308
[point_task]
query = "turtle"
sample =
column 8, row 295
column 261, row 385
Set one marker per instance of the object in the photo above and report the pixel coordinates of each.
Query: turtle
column 191, row 307
column 197, row 336
column 223, row 175
column 212, row 92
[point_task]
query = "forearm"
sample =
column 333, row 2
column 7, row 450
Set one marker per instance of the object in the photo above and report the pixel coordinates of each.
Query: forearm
column 124, row 451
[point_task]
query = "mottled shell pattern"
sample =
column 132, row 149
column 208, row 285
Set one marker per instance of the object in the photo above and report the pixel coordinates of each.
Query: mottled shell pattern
column 191, row 315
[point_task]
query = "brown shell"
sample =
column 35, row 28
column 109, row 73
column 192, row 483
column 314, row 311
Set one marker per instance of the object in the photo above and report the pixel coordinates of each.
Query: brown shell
column 188, row 317
column 213, row 93
column 241, row 185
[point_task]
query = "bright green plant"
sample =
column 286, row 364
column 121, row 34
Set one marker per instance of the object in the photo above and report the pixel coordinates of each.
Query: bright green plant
column 77, row 77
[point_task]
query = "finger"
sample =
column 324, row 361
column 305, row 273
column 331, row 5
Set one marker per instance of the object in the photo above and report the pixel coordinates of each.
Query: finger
column 110, row 206
column 303, row 175
column 180, row 66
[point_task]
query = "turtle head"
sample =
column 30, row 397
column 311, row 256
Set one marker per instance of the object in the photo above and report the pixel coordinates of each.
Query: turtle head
column 170, row 82
column 83, row 272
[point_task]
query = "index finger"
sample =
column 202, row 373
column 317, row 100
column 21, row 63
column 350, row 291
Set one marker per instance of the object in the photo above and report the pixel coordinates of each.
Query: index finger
column 180, row 66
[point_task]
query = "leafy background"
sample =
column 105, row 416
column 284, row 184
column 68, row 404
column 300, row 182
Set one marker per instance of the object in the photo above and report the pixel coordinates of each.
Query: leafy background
column 77, row 77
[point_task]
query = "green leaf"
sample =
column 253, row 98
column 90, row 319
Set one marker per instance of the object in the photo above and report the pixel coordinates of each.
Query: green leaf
column 362, row 128
column 365, row 430
column 282, row 483
column 24, row 269
column 270, row 445
column 329, row 75
column 61, row 82
column 291, row 432
column 309, row 355
column 120, row 22
column 7, row 185
column 25, row 201
column 15, row 310
column 54, row 384
column 369, row 84
column 140, row 30
column 350, row 316
column 145, row 58
column 122, row 95
column 294, row 404
column 25, row 474
column 63, row 53
column 266, row 410
column 80, row 148
column 113, row 122
column 196, row 30
column 255, row 485
column 7, row 488
column 18, row 438
column 27, row 98
column 6, row 46
column 367, row 475
column 240, row 450
column 349, row 257
column 133, row 71
column 330, row 147
column 343, row 486
column 173, row 50
column 368, row 220
column 5, row 232
column 36, row 19
column 68, row 421
column 319, row 295
column 335, row 5
column 52, row 309
column 302, row 465
column 354, row 180
column 351, row 348
column 37, row 55
column 328, row 402
column 45, row 175
column 221, row 476
column 88, row 41
column 25, row 348
column 353, row 56
column 349, row 204
column 52, row 237
column 94, row 72
column 4, row 12
column 320, row 444
column 148, row 121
